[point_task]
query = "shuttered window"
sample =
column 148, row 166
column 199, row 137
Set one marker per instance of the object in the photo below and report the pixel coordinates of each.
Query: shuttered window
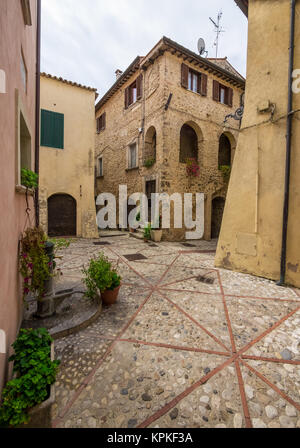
column 52, row 129
column 101, row 123
column 134, row 92
column 222, row 94
column 194, row 81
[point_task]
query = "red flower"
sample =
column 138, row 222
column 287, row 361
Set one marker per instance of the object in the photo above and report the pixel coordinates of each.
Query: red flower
column 26, row 291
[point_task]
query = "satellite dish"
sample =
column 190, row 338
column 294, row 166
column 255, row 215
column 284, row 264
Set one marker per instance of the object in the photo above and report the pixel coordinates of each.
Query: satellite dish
column 201, row 46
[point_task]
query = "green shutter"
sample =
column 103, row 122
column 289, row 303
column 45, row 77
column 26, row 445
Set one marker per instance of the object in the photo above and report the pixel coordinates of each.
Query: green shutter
column 52, row 129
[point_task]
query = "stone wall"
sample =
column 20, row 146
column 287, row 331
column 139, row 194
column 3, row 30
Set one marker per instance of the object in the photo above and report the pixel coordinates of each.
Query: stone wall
column 203, row 114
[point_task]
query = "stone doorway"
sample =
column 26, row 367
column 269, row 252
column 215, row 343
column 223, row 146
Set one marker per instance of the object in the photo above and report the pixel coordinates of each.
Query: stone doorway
column 218, row 205
column 150, row 188
column 62, row 213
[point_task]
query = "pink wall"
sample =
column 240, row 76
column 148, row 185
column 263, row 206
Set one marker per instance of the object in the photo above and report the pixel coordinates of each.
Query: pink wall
column 14, row 36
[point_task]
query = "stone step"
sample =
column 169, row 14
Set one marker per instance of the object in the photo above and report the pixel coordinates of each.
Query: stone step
column 137, row 235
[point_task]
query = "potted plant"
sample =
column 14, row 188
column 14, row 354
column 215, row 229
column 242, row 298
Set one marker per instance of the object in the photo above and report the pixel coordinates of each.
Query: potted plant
column 156, row 231
column 28, row 397
column 101, row 278
column 147, row 233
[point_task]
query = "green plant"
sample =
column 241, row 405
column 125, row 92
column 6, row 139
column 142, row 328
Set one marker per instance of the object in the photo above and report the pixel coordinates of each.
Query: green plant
column 147, row 232
column 226, row 171
column 35, row 373
column 100, row 276
column 29, row 179
column 35, row 265
column 149, row 163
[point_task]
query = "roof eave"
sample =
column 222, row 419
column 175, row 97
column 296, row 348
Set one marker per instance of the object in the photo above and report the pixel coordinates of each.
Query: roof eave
column 243, row 5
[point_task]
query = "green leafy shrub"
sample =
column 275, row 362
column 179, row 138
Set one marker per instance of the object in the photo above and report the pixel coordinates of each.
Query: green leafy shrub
column 100, row 276
column 29, row 179
column 147, row 232
column 226, row 171
column 35, row 373
column 149, row 163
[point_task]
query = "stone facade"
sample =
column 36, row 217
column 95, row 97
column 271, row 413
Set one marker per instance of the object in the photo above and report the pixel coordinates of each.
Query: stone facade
column 251, row 235
column 68, row 174
column 155, row 122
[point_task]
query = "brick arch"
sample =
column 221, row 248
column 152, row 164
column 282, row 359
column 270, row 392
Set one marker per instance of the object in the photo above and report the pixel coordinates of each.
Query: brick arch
column 62, row 215
column 227, row 146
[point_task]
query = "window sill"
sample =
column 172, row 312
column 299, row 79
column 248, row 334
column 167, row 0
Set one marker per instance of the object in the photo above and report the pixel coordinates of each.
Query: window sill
column 133, row 105
column 132, row 169
column 99, row 177
column 22, row 190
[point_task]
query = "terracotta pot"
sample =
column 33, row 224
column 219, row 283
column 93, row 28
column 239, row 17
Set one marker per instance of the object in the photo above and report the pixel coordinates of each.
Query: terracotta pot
column 156, row 235
column 110, row 297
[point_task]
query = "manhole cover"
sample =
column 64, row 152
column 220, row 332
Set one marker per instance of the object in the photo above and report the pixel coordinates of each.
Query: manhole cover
column 135, row 257
column 202, row 279
column 103, row 243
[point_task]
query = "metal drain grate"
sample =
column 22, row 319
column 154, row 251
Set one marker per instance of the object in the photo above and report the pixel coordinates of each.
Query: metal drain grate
column 135, row 257
column 188, row 245
column 207, row 280
column 153, row 245
column 103, row 243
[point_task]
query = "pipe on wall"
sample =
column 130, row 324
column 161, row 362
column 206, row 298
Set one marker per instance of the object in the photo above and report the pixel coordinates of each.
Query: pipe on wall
column 288, row 146
column 37, row 106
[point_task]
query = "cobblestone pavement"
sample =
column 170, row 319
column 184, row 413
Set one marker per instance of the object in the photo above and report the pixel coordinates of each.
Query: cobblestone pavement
column 186, row 346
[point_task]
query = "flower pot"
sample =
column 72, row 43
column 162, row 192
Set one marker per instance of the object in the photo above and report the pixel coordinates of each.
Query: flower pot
column 109, row 297
column 156, row 235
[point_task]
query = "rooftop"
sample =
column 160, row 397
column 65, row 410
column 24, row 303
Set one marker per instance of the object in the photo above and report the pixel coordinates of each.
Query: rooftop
column 71, row 83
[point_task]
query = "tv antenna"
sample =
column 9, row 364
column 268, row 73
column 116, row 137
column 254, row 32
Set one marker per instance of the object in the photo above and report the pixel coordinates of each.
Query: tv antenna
column 218, row 30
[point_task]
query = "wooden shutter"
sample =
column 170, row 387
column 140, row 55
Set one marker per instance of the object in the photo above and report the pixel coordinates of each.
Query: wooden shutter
column 126, row 97
column 103, row 121
column 184, row 76
column 230, row 97
column 203, row 89
column 98, row 124
column 139, row 87
column 52, row 129
column 216, row 91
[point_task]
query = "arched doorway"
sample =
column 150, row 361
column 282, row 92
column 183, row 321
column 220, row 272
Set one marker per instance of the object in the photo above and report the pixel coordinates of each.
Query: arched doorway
column 188, row 144
column 62, row 215
column 218, row 205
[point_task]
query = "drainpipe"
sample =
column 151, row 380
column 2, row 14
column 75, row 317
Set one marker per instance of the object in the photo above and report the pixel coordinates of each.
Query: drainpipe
column 37, row 107
column 288, row 146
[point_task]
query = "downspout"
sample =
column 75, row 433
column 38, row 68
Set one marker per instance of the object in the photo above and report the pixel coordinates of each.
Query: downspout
column 37, row 107
column 288, row 146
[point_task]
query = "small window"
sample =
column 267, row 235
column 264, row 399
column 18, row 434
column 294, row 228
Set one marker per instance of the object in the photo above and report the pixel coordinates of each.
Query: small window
column 133, row 93
column 132, row 156
column 25, row 146
column 101, row 123
column 193, row 80
column 23, row 72
column 222, row 94
column 52, row 129
column 100, row 167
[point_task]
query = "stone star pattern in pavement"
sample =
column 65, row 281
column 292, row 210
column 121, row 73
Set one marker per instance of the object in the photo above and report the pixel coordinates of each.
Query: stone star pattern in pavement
column 187, row 345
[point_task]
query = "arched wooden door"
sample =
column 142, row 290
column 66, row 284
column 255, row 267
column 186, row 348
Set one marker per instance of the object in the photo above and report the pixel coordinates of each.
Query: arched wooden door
column 62, row 213
column 218, row 205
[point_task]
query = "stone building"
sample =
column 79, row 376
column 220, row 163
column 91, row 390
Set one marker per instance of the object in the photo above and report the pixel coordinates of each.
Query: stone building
column 66, row 191
column 165, row 108
column 257, row 237
column 19, row 112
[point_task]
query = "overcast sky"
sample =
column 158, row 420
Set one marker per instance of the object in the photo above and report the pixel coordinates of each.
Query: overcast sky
column 86, row 41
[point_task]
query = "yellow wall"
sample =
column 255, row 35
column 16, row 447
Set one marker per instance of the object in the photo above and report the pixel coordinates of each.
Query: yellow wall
column 71, row 170
column 251, row 234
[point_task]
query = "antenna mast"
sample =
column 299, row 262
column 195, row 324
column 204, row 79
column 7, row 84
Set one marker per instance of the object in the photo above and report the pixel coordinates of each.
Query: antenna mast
column 218, row 30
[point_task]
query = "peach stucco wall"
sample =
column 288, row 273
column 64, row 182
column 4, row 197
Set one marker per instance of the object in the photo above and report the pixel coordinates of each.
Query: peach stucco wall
column 16, row 37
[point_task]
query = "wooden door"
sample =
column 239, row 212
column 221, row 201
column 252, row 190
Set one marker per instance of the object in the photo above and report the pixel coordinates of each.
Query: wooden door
column 61, row 215
column 150, row 188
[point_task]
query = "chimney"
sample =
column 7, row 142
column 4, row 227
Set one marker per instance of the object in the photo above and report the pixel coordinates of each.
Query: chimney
column 118, row 73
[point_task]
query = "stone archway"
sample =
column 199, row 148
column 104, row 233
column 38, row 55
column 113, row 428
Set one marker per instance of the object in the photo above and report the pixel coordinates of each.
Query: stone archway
column 62, row 215
column 188, row 144
column 149, row 155
column 218, row 205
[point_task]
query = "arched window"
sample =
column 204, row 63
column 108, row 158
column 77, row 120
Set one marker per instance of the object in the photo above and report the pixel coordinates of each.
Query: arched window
column 224, row 151
column 188, row 144
column 218, row 205
column 150, row 147
column 62, row 212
